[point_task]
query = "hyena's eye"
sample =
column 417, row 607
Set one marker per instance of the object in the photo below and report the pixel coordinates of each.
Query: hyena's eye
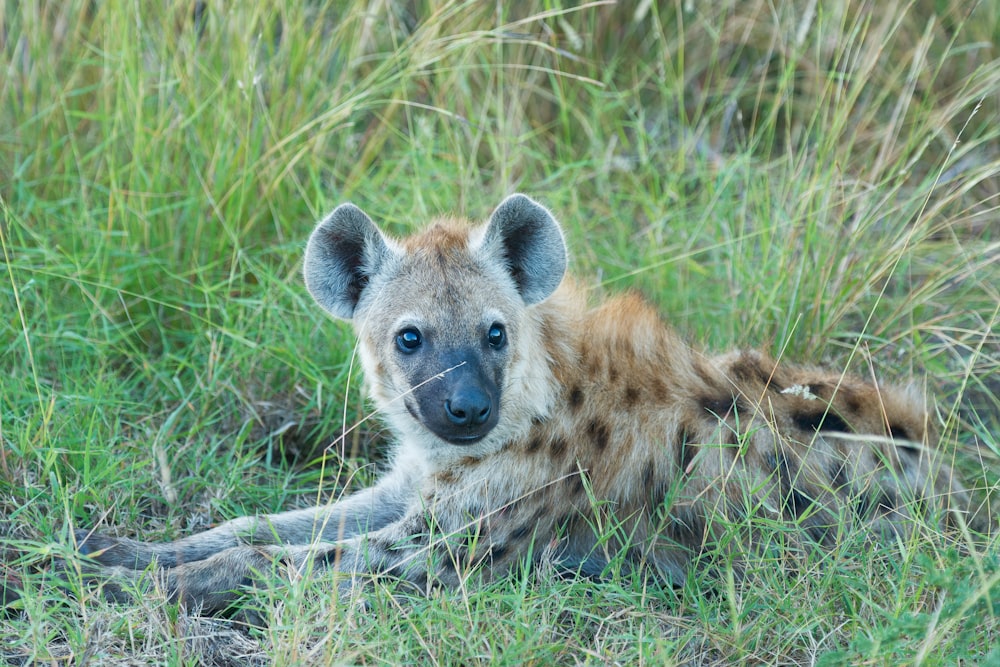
column 408, row 340
column 496, row 336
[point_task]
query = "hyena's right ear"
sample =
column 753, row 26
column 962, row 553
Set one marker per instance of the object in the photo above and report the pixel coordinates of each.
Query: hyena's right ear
column 344, row 251
column 524, row 236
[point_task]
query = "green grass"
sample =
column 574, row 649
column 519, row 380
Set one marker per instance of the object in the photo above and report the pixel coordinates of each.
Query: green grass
column 820, row 181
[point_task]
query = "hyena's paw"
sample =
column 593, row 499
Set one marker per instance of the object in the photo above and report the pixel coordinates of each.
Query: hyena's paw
column 115, row 584
column 112, row 551
column 93, row 544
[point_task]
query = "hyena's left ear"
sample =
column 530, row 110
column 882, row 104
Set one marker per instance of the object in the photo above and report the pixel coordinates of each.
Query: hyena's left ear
column 524, row 235
column 344, row 251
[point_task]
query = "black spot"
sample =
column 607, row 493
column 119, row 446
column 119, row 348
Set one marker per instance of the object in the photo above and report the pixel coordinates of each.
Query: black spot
column 631, row 394
column 648, row 470
column 446, row 476
column 385, row 545
column 898, row 432
column 634, row 556
column 498, row 551
column 575, row 398
column 330, row 557
column 420, row 525
column 750, row 369
column 718, row 406
column 818, row 389
column 599, row 434
column 558, row 446
column 820, row 421
column 876, row 503
column 419, row 579
column 850, row 398
column 521, row 532
column 446, row 565
column 887, row 502
column 613, row 374
column 534, row 445
column 200, row 21
column 574, row 479
column 799, row 502
column 684, row 526
column 660, row 491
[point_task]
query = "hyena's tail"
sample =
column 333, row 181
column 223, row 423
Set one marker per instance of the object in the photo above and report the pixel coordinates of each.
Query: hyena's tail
column 827, row 449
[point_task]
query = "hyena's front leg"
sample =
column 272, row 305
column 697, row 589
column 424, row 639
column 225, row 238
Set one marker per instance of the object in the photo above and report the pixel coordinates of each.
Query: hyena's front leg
column 404, row 550
column 210, row 585
column 364, row 511
column 436, row 542
column 424, row 548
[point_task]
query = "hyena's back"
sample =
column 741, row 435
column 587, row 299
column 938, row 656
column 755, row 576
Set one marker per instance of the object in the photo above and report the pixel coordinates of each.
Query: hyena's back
column 670, row 440
column 525, row 417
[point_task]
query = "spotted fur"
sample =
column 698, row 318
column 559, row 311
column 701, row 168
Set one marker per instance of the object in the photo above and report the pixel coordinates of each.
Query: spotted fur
column 526, row 417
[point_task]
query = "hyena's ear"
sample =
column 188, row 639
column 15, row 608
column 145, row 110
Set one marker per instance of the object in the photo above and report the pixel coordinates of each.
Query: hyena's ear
column 524, row 235
column 344, row 251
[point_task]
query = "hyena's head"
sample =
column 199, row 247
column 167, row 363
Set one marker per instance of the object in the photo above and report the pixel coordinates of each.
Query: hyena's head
column 443, row 318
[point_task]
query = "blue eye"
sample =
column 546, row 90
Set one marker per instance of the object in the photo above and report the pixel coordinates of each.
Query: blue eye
column 408, row 340
column 496, row 336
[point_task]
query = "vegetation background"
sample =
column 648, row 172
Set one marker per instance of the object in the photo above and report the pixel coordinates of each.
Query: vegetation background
column 817, row 178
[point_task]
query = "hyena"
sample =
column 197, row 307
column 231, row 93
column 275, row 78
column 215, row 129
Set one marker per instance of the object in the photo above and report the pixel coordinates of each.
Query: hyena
column 526, row 419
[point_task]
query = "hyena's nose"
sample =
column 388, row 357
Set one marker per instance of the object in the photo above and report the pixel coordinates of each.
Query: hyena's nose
column 468, row 407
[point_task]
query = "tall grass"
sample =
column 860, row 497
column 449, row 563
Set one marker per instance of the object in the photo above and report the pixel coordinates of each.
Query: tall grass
column 819, row 179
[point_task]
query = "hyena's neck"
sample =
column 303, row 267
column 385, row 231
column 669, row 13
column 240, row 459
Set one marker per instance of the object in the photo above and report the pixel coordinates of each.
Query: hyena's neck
column 549, row 350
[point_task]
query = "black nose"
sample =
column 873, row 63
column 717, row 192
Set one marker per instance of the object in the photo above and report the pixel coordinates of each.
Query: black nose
column 470, row 407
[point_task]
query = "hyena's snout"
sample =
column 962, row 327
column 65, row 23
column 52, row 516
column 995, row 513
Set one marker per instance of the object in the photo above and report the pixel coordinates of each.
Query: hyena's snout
column 460, row 405
column 468, row 407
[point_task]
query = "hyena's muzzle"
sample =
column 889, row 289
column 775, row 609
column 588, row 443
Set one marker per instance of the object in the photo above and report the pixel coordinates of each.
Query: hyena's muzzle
column 455, row 395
